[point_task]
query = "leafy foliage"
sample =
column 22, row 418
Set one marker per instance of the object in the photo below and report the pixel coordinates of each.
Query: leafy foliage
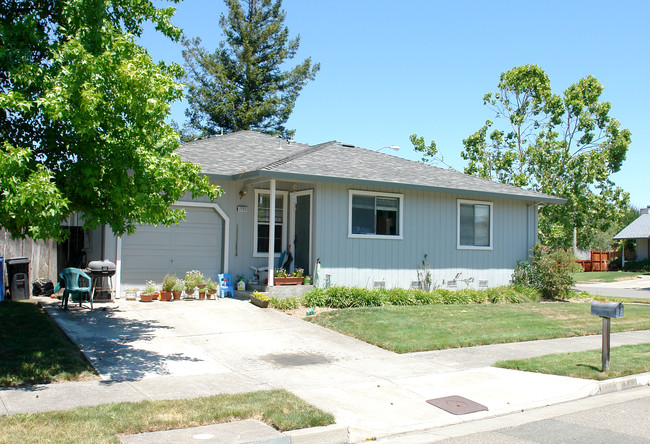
column 638, row 266
column 349, row 297
column 550, row 271
column 82, row 120
column 241, row 85
column 566, row 146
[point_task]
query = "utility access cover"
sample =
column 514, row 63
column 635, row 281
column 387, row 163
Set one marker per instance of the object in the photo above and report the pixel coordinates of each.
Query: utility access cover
column 457, row 405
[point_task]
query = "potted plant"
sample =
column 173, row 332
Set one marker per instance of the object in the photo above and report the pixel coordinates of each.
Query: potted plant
column 281, row 277
column 259, row 299
column 189, row 286
column 168, row 283
column 197, row 277
column 177, row 289
column 212, row 288
column 147, row 295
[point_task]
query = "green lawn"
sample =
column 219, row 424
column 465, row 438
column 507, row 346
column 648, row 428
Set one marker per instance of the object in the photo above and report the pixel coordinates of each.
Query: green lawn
column 106, row 423
column 433, row 327
column 33, row 349
column 604, row 276
column 625, row 360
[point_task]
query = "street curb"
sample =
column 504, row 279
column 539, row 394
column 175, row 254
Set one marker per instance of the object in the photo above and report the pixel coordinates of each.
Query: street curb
column 331, row 434
column 623, row 383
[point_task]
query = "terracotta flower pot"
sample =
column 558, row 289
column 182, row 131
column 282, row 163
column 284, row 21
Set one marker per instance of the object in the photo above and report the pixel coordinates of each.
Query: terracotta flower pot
column 289, row 280
column 189, row 292
column 165, row 295
column 201, row 285
column 177, row 295
column 146, row 297
column 201, row 294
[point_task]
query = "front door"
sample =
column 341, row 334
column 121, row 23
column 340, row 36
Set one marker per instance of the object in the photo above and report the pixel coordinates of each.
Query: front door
column 300, row 233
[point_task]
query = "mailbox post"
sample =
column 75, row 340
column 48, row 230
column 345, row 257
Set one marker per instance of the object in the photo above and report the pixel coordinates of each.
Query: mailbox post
column 607, row 311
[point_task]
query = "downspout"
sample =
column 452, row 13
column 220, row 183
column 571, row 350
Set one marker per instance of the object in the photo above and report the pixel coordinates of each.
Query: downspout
column 271, row 260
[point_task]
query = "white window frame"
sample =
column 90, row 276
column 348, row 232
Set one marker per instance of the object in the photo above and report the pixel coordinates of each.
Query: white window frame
column 285, row 217
column 474, row 202
column 400, row 197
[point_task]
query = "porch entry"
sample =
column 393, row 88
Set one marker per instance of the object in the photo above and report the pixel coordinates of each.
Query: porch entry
column 301, row 228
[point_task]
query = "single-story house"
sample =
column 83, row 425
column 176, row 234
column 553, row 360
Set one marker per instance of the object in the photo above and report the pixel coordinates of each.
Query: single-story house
column 368, row 218
column 638, row 230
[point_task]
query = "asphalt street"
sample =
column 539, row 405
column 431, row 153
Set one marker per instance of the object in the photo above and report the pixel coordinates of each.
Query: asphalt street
column 620, row 417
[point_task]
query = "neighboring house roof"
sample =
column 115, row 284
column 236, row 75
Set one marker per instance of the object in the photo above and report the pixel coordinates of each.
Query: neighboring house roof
column 638, row 229
column 248, row 154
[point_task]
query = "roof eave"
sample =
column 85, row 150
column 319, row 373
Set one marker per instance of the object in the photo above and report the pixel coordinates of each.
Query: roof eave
column 335, row 179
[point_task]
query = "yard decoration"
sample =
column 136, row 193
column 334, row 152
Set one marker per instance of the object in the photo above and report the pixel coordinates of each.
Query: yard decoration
column 259, row 299
column 149, row 293
column 281, row 277
column 177, row 289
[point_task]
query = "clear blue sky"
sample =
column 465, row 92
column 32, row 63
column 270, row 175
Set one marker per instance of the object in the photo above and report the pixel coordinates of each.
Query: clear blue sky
column 393, row 68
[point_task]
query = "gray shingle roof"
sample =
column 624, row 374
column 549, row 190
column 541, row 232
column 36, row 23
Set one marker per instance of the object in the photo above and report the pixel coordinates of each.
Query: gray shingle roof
column 248, row 154
column 638, row 229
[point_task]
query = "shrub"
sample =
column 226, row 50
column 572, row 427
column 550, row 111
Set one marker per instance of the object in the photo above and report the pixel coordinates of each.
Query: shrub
column 638, row 266
column 348, row 297
column 285, row 303
column 554, row 269
column 526, row 274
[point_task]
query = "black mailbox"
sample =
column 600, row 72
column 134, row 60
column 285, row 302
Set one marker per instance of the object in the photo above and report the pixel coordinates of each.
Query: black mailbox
column 607, row 309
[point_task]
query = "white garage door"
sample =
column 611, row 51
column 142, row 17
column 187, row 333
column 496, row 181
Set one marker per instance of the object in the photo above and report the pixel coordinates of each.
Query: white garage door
column 152, row 252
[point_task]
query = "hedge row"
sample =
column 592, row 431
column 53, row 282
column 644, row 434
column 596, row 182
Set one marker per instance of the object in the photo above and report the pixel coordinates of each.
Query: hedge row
column 348, row 297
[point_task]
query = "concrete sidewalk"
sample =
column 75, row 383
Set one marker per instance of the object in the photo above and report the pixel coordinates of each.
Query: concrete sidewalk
column 188, row 349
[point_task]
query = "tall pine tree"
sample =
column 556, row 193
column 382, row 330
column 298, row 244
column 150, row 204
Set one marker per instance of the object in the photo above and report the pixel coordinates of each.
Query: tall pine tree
column 241, row 85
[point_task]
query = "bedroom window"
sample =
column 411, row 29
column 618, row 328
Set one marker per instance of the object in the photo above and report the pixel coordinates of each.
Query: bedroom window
column 474, row 225
column 262, row 222
column 376, row 215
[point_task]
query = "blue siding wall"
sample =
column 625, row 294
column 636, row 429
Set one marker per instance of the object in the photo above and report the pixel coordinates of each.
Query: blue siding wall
column 429, row 227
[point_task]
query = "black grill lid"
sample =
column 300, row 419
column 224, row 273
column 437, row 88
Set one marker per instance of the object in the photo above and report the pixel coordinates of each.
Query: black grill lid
column 104, row 267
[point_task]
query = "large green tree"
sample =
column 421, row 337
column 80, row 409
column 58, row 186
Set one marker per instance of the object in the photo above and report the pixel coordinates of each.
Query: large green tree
column 566, row 145
column 82, row 118
column 242, row 85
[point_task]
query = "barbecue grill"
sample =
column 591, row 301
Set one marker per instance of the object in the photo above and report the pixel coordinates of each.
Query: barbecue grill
column 102, row 273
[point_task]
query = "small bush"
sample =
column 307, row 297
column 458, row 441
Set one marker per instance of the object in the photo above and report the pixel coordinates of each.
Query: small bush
column 550, row 271
column 638, row 266
column 348, row 297
column 286, row 303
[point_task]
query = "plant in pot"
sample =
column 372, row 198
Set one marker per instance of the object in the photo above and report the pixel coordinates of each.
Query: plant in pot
column 259, row 299
column 197, row 277
column 147, row 295
column 190, row 284
column 281, row 277
column 212, row 288
column 177, row 289
column 168, row 283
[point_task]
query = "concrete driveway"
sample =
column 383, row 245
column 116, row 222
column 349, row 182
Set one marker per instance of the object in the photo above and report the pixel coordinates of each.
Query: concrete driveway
column 638, row 287
column 166, row 350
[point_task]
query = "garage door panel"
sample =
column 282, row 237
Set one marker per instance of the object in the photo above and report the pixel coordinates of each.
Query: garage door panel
column 194, row 244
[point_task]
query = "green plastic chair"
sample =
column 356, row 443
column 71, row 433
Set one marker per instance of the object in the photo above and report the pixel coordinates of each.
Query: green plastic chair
column 75, row 282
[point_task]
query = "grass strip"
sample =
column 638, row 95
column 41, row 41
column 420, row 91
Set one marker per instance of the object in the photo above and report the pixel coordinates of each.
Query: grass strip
column 434, row 327
column 106, row 423
column 604, row 276
column 625, row 360
column 34, row 350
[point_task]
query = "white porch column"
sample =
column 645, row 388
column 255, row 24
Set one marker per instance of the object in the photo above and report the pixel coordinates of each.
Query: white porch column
column 271, row 263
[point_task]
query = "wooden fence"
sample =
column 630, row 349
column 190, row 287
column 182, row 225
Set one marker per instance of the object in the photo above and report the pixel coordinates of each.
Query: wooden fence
column 42, row 255
column 598, row 262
